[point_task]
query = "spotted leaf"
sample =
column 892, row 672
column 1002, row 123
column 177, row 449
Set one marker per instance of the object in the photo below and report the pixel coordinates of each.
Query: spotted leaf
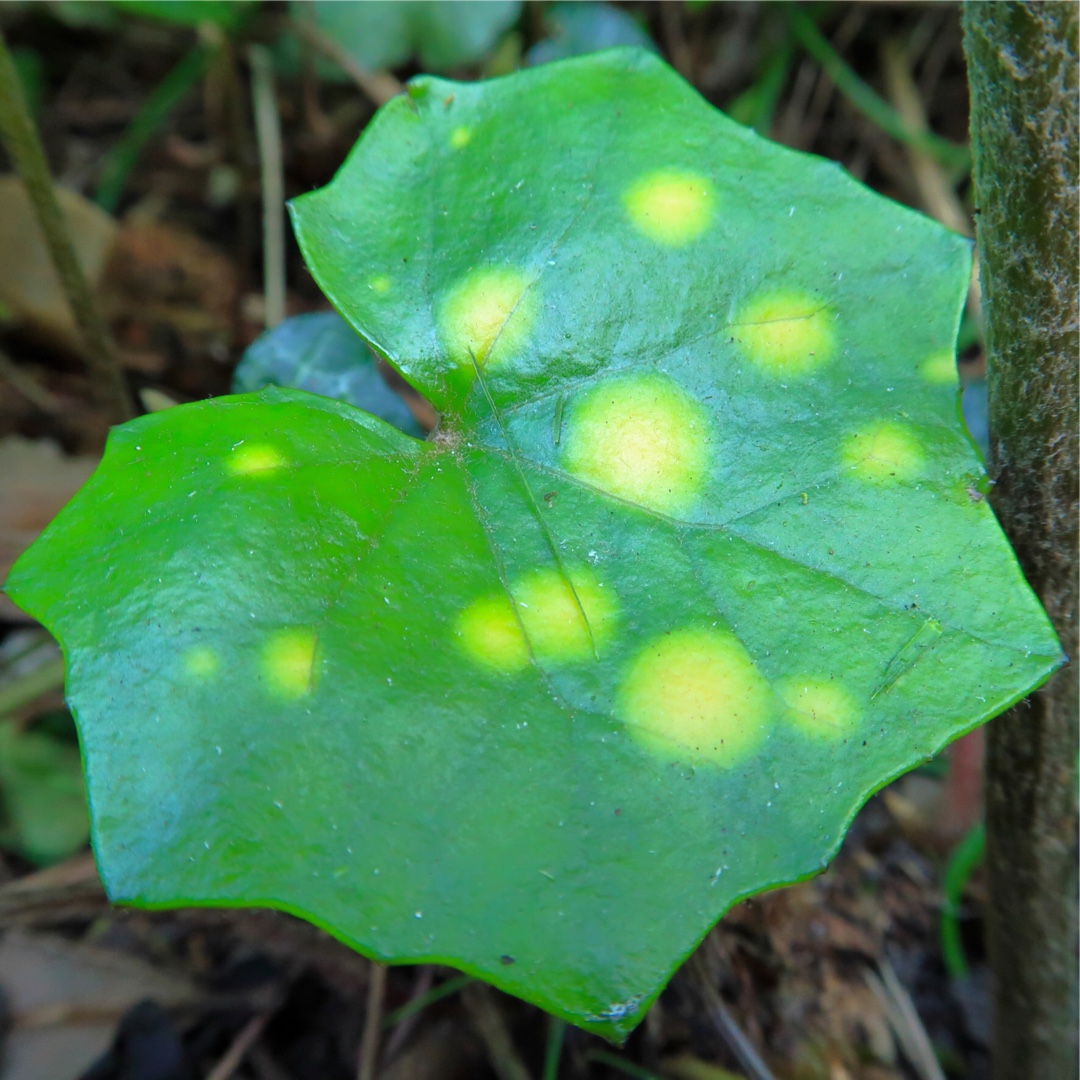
column 691, row 567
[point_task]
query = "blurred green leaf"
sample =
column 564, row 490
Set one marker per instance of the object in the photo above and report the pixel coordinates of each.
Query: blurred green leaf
column 575, row 29
column 43, row 814
column 385, row 33
column 228, row 14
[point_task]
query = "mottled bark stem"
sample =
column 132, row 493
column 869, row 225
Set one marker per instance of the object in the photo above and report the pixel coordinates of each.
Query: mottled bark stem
column 1022, row 60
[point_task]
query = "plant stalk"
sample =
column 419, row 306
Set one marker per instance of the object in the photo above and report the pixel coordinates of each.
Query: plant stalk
column 21, row 139
column 1022, row 67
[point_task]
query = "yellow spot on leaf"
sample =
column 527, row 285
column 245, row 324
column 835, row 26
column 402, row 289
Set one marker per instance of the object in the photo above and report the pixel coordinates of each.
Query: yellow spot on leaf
column 201, row 662
column 460, row 137
column 642, row 438
column 785, row 333
column 553, row 615
column 553, row 618
column 883, row 451
column 696, row 695
column 248, row 458
column 380, row 284
column 488, row 317
column 490, row 633
column 288, row 661
column 670, row 206
column 940, row 369
column 819, row 707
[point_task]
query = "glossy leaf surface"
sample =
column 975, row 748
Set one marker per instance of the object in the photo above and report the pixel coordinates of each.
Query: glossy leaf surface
column 322, row 354
column 697, row 560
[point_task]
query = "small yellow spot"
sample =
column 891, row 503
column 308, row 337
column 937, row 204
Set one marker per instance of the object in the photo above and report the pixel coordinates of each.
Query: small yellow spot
column 940, row 369
column 380, row 284
column 201, row 662
column 550, row 611
column 460, row 137
column 642, row 438
column 289, row 659
column 488, row 316
column 250, row 458
column 553, row 616
column 785, row 333
column 819, row 707
column 884, row 450
column 491, row 634
column 696, row 695
column 671, row 207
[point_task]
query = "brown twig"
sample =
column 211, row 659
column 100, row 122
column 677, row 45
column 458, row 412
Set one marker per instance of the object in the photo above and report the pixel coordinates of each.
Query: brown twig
column 380, row 86
column 369, row 1041
column 272, row 172
column 491, row 1026
column 21, row 139
column 237, row 1051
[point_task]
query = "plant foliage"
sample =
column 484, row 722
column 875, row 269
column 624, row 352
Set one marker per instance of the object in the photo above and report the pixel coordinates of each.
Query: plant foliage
column 696, row 561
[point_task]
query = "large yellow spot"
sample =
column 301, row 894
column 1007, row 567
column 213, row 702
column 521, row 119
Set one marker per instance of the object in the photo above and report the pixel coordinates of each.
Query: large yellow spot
column 883, row 451
column 671, row 206
column 460, row 137
column 200, row 662
column 696, row 695
column 940, row 369
column 785, row 333
column 642, row 438
column 819, row 707
column 566, row 619
column 490, row 633
column 380, row 284
column 488, row 317
column 248, row 458
column 288, row 660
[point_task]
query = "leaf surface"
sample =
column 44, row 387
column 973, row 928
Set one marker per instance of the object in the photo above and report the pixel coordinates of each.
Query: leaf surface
column 697, row 560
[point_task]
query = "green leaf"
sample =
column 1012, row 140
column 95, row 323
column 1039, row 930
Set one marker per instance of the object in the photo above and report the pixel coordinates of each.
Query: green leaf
column 386, row 33
column 696, row 561
column 322, row 354
column 575, row 29
column 42, row 805
column 228, row 14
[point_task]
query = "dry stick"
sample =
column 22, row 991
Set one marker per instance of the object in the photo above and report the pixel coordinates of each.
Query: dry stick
column 369, row 1042
column 491, row 1027
column 30, row 389
column 237, row 1051
column 905, row 1022
column 934, row 188
column 268, row 133
column 732, row 1034
column 380, row 86
column 22, row 142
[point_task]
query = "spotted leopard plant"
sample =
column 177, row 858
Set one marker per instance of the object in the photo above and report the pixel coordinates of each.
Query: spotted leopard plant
column 690, row 567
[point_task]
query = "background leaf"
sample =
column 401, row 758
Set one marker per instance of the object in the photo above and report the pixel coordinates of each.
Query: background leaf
column 386, row 33
column 575, row 29
column 691, row 567
column 322, row 354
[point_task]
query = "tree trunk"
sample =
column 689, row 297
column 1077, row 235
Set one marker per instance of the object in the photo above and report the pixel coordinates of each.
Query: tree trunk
column 1022, row 64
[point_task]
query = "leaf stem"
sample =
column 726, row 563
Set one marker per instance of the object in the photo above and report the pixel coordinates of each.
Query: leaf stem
column 967, row 856
column 23, row 144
